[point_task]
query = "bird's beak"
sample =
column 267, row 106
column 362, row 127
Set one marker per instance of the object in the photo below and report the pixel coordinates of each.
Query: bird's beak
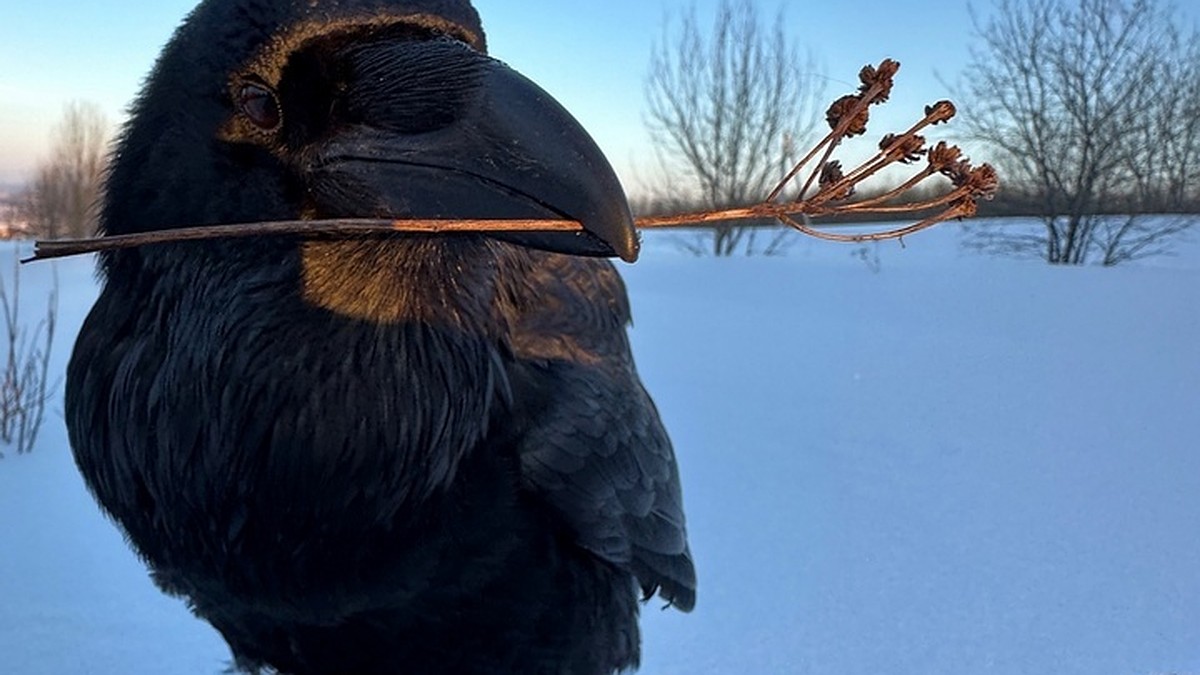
column 511, row 152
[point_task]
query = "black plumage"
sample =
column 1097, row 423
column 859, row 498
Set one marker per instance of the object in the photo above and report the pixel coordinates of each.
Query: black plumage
column 402, row 454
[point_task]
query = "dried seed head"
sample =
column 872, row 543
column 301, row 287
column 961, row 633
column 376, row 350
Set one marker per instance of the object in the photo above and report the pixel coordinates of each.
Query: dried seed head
column 831, row 175
column 882, row 77
column 959, row 172
column 842, row 108
column 943, row 155
column 983, row 181
column 964, row 208
column 980, row 181
column 904, row 149
column 942, row 111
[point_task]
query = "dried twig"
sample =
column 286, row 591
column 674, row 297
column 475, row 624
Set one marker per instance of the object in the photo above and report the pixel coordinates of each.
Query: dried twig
column 62, row 248
column 834, row 189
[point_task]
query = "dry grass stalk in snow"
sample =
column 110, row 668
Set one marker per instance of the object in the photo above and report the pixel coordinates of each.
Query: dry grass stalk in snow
column 25, row 385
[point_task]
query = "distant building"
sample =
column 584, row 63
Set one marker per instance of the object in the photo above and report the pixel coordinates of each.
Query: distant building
column 13, row 224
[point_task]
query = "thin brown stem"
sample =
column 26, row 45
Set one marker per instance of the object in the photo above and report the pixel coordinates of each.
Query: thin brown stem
column 970, row 183
column 899, row 233
column 925, row 205
column 894, row 192
column 61, row 248
column 799, row 166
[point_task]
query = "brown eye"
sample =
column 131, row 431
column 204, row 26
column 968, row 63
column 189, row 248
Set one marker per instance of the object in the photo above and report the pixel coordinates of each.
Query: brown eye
column 260, row 106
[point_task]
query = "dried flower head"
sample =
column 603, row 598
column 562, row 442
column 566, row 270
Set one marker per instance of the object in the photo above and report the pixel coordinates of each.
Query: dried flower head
column 942, row 111
column 844, row 107
column 964, row 207
column 831, row 175
column 980, row 181
column 943, row 155
column 983, row 181
column 870, row 76
column 959, row 172
column 904, row 149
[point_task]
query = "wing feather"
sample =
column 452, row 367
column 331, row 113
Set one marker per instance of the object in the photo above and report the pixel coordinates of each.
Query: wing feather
column 593, row 445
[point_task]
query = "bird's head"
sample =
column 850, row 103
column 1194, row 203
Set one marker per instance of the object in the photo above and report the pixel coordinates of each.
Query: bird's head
column 283, row 109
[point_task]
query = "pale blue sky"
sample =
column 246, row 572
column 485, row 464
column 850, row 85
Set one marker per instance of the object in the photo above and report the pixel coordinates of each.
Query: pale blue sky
column 590, row 54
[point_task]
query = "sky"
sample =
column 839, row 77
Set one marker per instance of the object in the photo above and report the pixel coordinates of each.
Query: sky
column 590, row 54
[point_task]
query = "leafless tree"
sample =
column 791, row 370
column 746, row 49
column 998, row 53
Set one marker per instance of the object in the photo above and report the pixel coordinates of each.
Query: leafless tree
column 728, row 111
column 63, row 198
column 1092, row 109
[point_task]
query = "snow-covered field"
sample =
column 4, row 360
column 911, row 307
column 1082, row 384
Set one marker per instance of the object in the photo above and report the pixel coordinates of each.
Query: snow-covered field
column 940, row 464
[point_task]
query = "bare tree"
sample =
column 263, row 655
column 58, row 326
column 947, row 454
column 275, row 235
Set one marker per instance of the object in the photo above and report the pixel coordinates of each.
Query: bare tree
column 63, row 198
column 728, row 110
column 1090, row 108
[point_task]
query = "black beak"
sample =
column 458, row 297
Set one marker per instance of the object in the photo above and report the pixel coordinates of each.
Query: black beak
column 468, row 137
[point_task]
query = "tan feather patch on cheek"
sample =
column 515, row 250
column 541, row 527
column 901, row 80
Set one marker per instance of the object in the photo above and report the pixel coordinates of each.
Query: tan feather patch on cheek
column 370, row 292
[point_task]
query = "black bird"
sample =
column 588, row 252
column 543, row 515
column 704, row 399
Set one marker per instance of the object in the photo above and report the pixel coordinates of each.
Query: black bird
column 402, row 454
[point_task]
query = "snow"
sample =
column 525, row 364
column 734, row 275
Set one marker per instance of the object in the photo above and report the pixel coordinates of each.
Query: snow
column 934, row 463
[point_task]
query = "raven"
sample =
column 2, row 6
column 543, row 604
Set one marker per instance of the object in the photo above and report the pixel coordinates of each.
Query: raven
column 395, row 454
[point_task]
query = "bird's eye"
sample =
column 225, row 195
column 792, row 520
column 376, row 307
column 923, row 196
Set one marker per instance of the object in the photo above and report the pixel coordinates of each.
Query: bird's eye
column 259, row 105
